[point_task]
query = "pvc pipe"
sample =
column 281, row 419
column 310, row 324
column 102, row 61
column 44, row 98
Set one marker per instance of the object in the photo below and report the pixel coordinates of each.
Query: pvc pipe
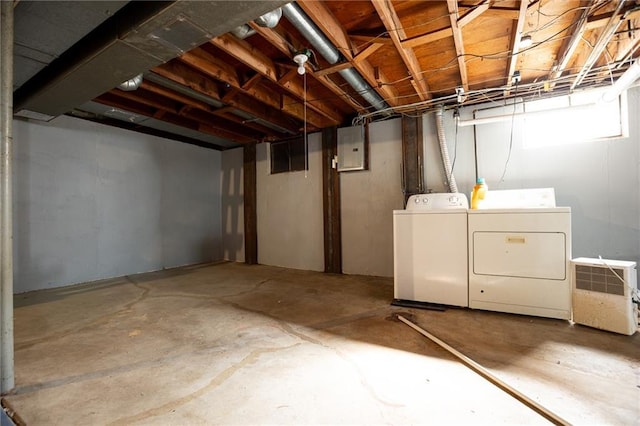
column 7, row 381
column 546, row 413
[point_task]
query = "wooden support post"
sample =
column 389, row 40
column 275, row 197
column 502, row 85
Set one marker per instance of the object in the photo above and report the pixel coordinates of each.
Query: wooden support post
column 331, row 203
column 412, row 156
column 250, row 205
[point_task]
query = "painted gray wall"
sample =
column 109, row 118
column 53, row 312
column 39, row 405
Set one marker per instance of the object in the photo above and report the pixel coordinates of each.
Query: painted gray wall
column 289, row 212
column 93, row 202
column 368, row 199
column 599, row 180
column 232, row 190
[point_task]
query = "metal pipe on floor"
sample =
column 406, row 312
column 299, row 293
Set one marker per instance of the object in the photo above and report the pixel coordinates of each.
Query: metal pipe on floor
column 7, row 381
column 544, row 412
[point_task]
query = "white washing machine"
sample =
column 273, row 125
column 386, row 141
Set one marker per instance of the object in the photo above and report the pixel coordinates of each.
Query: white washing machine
column 519, row 261
column 430, row 250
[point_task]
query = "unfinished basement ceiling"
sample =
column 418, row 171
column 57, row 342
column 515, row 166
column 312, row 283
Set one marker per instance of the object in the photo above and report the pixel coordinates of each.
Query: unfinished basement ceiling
column 214, row 73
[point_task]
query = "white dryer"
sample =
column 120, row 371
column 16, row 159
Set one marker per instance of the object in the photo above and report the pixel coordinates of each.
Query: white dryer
column 519, row 261
column 430, row 250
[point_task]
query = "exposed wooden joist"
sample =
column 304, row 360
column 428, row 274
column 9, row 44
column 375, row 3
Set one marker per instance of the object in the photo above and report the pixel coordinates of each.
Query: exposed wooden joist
column 333, row 69
column 188, row 77
column 332, row 29
column 427, row 38
column 374, row 38
column 630, row 12
column 252, row 57
column 392, row 23
column 452, row 6
column 605, row 36
column 175, row 96
column 202, row 116
column 474, row 13
column 515, row 42
column 569, row 47
column 202, row 61
column 328, row 24
column 127, row 105
column 277, row 40
column 367, row 51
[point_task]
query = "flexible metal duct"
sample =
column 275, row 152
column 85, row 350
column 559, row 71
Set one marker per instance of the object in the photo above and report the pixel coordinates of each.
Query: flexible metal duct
column 446, row 162
column 268, row 20
column 243, row 31
column 323, row 46
column 131, row 84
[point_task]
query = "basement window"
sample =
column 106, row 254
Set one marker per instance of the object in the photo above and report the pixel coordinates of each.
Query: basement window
column 579, row 117
column 288, row 156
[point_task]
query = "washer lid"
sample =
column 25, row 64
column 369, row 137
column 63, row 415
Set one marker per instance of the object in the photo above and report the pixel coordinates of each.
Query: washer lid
column 443, row 201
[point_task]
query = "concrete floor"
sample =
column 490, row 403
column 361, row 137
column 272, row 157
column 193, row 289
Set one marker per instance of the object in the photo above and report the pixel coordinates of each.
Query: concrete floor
column 237, row 344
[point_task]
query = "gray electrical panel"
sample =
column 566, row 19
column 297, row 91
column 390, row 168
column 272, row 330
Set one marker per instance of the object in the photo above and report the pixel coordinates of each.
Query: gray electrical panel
column 352, row 148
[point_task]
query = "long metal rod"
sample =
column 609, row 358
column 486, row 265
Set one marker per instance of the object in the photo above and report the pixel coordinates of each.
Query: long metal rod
column 549, row 415
column 7, row 381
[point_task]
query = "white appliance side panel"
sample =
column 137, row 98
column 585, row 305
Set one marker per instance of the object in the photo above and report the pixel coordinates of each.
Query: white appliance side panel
column 520, row 254
column 430, row 258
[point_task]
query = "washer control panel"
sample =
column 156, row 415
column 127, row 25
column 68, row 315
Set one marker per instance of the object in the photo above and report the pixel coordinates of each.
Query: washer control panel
column 442, row 201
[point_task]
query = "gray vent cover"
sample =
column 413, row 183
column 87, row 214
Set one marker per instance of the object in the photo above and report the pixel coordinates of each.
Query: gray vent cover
column 600, row 279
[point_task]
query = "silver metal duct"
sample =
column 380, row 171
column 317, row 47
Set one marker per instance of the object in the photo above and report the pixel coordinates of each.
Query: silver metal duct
column 323, row 46
column 243, row 31
column 270, row 19
column 131, row 84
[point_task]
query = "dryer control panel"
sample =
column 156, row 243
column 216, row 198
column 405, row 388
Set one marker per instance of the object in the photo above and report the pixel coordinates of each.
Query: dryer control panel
column 440, row 201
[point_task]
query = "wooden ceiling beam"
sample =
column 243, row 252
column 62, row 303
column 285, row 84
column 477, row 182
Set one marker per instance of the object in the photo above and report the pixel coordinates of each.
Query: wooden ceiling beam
column 367, row 51
column 452, row 7
column 278, row 41
column 175, row 96
column 392, row 23
column 496, row 11
column 185, row 75
column 329, row 25
column 629, row 12
column 474, row 13
column 569, row 47
column 197, row 58
column 126, row 105
column 258, row 61
column 375, row 38
column 269, row 132
column 335, row 32
column 427, row 38
column 603, row 39
column 199, row 115
column 515, row 43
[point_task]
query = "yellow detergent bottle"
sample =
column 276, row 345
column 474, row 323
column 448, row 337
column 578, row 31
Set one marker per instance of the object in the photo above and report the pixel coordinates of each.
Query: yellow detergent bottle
column 479, row 191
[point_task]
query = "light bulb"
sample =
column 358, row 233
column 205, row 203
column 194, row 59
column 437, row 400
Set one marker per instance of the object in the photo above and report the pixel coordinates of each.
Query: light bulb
column 301, row 69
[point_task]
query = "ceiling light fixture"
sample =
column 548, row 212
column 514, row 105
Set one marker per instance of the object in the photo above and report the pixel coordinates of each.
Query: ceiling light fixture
column 300, row 59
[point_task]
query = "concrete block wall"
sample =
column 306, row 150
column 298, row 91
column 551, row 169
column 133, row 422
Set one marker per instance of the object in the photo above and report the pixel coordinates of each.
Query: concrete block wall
column 93, row 202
